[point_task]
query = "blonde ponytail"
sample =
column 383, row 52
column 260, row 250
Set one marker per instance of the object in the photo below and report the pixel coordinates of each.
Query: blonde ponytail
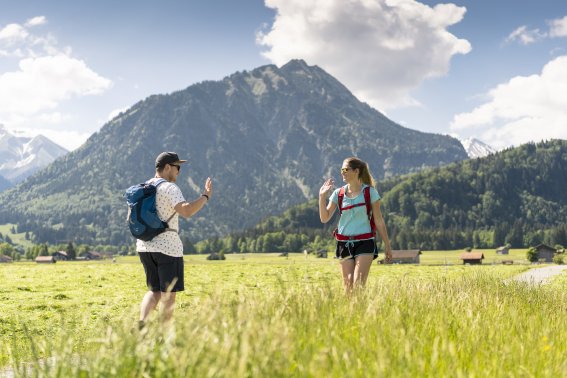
column 363, row 170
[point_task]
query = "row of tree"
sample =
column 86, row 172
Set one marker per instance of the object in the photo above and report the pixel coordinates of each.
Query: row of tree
column 516, row 196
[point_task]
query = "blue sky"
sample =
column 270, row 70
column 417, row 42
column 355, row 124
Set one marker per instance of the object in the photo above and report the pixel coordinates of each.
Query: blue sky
column 494, row 70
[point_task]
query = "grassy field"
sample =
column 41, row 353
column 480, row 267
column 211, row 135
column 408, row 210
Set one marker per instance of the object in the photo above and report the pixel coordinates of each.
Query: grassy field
column 16, row 238
column 264, row 315
column 518, row 256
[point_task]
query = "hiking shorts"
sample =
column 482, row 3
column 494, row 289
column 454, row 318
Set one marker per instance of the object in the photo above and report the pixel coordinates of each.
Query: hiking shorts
column 351, row 249
column 162, row 270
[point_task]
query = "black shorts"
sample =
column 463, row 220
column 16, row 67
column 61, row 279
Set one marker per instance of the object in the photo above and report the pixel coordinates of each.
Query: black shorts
column 161, row 270
column 352, row 249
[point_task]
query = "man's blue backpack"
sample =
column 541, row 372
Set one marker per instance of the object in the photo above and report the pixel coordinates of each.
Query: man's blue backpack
column 143, row 220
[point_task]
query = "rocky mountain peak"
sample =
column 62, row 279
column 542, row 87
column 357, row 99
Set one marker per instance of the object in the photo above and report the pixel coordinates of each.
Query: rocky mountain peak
column 476, row 148
column 20, row 157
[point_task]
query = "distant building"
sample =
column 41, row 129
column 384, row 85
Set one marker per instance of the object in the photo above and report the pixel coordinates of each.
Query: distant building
column 409, row 256
column 545, row 252
column 93, row 256
column 61, row 256
column 502, row 250
column 472, row 258
column 45, row 260
column 5, row 259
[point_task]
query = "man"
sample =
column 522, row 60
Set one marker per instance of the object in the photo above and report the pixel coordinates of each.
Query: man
column 162, row 257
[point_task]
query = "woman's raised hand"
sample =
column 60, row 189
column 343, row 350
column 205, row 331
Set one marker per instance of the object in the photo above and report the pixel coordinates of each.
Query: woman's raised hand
column 327, row 186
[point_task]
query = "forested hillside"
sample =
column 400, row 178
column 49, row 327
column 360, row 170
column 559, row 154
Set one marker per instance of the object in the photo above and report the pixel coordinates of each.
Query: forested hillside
column 517, row 196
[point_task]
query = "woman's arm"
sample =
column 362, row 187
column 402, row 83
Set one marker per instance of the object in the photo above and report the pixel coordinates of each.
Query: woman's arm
column 326, row 211
column 381, row 227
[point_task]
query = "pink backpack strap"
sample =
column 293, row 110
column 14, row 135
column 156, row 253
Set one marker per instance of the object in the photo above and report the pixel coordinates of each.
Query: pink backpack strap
column 340, row 199
column 369, row 208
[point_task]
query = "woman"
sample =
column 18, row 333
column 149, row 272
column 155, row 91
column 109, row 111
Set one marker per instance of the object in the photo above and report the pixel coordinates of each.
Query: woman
column 360, row 207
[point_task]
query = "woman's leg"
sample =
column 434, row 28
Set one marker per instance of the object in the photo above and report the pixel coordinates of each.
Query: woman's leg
column 347, row 267
column 361, row 269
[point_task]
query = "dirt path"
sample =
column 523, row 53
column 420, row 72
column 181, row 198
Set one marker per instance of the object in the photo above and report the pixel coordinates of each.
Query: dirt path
column 538, row 276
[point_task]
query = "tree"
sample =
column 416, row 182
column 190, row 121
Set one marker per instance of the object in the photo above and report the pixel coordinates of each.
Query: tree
column 43, row 250
column 188, row 247
column 6, row 249
column 71, row 254
column 516, row 235
column 531, row 255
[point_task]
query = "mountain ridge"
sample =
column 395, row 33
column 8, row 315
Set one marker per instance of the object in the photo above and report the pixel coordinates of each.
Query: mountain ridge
column 268, row 137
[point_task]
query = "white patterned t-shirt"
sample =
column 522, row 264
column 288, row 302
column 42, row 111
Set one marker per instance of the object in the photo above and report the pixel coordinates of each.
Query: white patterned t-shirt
column 169, row 243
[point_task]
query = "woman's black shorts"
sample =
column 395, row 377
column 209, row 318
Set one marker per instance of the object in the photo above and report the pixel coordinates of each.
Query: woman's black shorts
column 351, row 249
column 162, row 270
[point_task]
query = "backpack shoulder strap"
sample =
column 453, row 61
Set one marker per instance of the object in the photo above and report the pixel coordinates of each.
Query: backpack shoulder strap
column 369, row 207
column 340, row 199
column 159, row 182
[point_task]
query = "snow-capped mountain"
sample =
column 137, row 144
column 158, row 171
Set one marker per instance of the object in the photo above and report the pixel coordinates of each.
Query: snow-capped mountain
column 20, row 157
column 476, row 149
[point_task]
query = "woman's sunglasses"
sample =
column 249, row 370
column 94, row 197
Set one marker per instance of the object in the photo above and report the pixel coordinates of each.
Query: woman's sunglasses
column 345, row 170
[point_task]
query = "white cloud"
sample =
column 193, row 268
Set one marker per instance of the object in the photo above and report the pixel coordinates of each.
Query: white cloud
column 12, row 34
column 32, row 96
column 36, row 21
column 558, row 27
column 526, row 108
column 42, row 83
column 526, row 36
column 380, row 49
column 18, row 41
column 53, row 118
column 47, row 76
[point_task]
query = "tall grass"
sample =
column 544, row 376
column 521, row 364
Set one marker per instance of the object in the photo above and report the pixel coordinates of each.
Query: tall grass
column 470, row 326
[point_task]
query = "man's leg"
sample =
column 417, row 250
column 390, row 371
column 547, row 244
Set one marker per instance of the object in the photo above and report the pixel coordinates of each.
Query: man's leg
column 149, row 303
column 171, row 273
column 168, row 305
column 152, row 297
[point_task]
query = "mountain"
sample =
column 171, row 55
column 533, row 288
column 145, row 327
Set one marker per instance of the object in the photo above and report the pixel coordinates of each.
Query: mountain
column 267, row 137
column 21, row 157
column 515, row 196
column 476, row 149
column 4, row 184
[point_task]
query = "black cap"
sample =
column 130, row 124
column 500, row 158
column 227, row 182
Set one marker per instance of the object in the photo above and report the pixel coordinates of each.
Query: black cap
column 168, row 158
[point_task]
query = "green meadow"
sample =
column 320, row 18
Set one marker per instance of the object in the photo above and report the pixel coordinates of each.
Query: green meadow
column 258, row 315
column 17, row 238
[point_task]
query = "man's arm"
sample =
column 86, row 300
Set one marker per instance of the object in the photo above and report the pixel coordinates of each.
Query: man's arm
column 188, row 209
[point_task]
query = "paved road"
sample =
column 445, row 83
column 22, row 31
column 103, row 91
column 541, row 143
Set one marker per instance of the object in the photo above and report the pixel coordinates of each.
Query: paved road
column 540, row 275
